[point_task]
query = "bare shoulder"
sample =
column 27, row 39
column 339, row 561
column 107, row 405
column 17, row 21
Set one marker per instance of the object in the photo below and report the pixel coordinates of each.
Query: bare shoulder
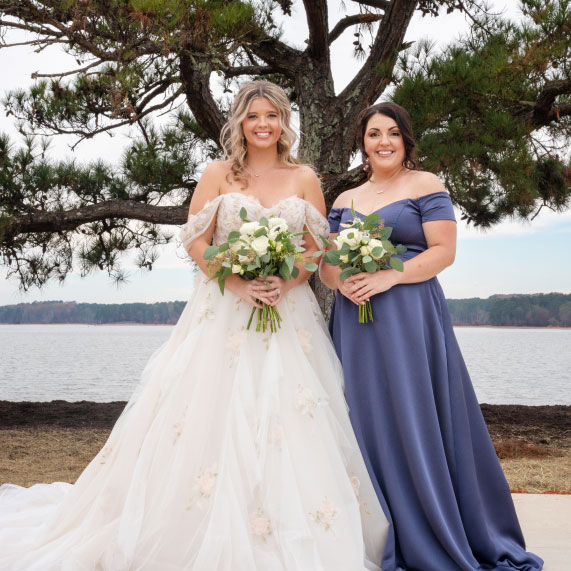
column 209, row 185
column 345, row 199
column 309, row 187
column 217, row 169
column 426, row 183
column 305, row 174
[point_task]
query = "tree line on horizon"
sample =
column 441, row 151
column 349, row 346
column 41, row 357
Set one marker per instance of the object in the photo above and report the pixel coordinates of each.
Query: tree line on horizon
column 491, row 112
column 531, row 310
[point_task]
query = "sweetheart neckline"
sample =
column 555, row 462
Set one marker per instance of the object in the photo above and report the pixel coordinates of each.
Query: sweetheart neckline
column 259, row 203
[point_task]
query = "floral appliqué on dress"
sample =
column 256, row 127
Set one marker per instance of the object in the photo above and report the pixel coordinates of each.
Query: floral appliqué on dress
column 234, row 341
column 260, row 525
column 206, row 310
column 304, row 337
column 306, row 401
column 325, row 514
column 203, row 487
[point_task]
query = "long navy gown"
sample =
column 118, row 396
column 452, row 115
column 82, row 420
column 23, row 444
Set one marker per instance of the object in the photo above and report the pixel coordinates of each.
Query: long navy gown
column 418, row 422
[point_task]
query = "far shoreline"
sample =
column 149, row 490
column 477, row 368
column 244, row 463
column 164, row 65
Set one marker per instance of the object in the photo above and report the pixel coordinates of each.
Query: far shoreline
column 131, row 323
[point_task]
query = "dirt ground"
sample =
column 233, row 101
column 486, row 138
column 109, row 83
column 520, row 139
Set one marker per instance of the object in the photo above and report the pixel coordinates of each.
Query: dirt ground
column 54, row 441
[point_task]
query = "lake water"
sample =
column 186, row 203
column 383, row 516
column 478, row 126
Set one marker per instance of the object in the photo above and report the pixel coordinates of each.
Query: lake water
column 103, row 363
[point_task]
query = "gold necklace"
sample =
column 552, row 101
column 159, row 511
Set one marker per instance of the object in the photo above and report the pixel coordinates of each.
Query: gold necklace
column 257, row 174
column 386, row 184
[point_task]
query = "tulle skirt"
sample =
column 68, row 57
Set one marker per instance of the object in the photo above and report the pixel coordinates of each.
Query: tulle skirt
column 234, row 453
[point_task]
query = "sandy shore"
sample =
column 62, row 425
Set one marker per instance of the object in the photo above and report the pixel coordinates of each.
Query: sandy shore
column 44, row 442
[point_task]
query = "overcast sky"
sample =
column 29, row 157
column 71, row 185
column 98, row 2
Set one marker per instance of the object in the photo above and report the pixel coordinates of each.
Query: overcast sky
column 513, row 257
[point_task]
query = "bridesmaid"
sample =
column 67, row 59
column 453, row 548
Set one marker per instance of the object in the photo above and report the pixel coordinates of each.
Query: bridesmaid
column 411, row 401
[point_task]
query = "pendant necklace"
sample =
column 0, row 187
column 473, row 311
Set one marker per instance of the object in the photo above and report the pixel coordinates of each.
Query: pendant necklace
column 386, row 184
column 257, row 174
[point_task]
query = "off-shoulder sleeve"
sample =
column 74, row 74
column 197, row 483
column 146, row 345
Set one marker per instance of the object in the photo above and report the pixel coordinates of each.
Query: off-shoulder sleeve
column 316, row 223
column 198, row 223
column 436, row 206
column 334, row 219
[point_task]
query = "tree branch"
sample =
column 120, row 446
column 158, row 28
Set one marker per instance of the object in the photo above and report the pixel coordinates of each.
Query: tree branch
column 134, row 115
column 280, row 56
column 37, row 75
column 250, row 70
column 348, row 21
column 318, row 45
column 195, row 75
column 544, row 111
column 380, row 4
column 371, row 80
column 42, row 221
column 334, row 184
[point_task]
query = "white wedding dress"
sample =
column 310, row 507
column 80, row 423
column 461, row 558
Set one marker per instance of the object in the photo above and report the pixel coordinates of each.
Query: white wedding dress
column 234, row 454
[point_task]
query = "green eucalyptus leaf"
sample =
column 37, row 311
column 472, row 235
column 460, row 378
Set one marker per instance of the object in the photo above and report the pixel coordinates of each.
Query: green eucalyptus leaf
column 311, row 266
column 396, row 264
column 386, row 233
column 371, row 220
column 210, row 252
column 244, row 214
column 284, row 271
column 370, row 266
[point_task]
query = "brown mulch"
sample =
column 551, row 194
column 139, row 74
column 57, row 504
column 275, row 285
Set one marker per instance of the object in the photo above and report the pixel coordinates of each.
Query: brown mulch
column 55, row 440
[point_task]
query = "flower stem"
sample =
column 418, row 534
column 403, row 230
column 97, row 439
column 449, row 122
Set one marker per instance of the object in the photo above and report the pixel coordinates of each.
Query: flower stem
column 251, row 317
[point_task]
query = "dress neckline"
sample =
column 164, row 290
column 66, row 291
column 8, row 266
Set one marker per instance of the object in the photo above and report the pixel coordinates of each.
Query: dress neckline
column 391, row 203
column 258, row 202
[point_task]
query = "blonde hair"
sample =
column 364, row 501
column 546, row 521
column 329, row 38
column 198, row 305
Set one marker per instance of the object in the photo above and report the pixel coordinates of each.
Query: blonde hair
column 232, row 136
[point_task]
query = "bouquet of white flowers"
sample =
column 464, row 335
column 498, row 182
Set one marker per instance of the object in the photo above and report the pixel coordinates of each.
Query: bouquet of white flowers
column 364, row 246
column 259, row 249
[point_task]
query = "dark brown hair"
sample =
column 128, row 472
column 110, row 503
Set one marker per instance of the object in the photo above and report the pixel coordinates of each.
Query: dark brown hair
column 402, row 119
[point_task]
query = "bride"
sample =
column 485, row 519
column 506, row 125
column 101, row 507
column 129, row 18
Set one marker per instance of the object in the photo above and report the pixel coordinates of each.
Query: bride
column 236, row 452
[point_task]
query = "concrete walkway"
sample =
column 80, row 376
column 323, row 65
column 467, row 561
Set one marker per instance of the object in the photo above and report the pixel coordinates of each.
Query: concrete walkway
column 546, row 523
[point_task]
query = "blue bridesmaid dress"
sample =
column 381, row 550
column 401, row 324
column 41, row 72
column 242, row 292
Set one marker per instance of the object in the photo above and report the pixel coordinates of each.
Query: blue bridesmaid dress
column 418, row 422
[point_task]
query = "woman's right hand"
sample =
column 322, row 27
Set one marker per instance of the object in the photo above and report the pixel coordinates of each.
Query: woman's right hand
column 346, row 289
column 251, row 291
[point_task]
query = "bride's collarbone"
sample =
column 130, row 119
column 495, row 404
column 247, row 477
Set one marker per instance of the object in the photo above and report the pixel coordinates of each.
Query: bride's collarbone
column 264, row 201
column 265, row 195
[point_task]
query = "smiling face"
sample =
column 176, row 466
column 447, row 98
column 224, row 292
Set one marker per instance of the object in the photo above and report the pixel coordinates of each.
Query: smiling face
column 383, row 143
column 262, row 125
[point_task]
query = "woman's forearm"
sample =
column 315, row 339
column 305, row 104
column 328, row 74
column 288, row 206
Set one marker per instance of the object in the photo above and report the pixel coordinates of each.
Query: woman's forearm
column 329, row 275
column 426, row 265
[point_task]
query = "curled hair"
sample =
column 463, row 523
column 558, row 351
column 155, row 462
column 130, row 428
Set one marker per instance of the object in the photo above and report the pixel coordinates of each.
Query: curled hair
column 402, row 119
column 232, row 136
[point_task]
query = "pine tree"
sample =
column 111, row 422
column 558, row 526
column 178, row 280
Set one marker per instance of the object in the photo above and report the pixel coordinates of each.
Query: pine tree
column 491, row 112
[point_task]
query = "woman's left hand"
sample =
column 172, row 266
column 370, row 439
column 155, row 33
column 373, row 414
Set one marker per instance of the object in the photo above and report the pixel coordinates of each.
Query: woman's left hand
column 278, row 285
column 364, row 285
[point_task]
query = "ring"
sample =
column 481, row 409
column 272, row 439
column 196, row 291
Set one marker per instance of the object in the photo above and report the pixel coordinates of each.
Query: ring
column 278, row 291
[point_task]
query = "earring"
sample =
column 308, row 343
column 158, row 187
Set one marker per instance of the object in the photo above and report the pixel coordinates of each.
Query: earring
column 366, row 163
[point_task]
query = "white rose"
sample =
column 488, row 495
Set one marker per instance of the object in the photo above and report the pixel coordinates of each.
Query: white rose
column 236, row 269
column 243, row 259
column 350, row 236
column 365, row 251
column 248, row 228
column 344, row 258
column 279, row 247
column 374, row 243
column 260, row 245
